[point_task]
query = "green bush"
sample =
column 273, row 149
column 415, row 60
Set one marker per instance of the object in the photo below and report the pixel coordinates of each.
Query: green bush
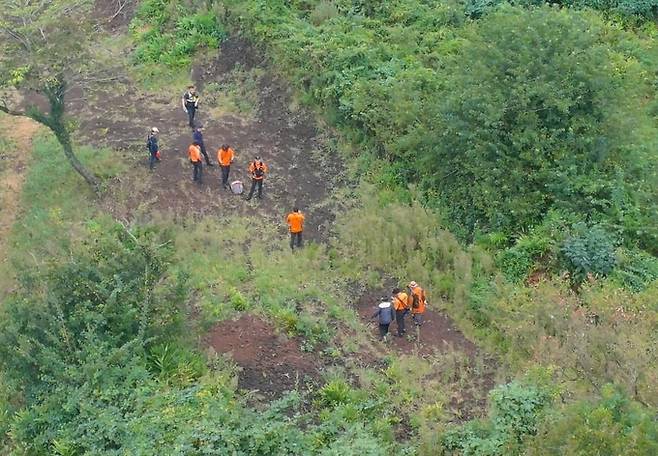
column 590, row 250
column 516, row 411
column 635, row 270
column 611, row 425
column 168, row 32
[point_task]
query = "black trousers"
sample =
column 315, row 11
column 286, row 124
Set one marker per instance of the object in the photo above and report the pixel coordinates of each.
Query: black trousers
column 197, row 171
column 399, row 319
column 225, row 172
column 152, row 159
column 383, row 330
column 191, row 112
column 204, row 153
column 296, row 240
column 256, row 183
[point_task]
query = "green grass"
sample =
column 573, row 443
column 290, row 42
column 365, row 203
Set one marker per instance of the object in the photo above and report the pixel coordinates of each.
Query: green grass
column 244, row 264
column 56, row 204
column 236, row 94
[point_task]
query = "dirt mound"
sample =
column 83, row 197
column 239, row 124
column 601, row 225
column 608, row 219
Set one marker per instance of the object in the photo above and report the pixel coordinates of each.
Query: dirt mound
column 437, row 333
column 271, row 363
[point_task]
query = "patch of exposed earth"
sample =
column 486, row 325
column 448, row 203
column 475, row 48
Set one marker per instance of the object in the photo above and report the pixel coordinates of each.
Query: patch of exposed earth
column 270, row 363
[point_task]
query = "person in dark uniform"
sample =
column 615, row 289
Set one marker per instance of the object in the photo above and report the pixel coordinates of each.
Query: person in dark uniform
column 152, row 145
column 197, row 137
column 190, row 103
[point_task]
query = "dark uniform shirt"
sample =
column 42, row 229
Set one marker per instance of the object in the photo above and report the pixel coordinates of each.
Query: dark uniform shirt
column 152, row 143
column 190, row 99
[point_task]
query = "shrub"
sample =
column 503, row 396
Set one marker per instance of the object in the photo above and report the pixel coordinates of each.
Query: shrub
column 515, row 413
column 590, row 250
column 610, row 425
column 635, row 270
column 169, row 33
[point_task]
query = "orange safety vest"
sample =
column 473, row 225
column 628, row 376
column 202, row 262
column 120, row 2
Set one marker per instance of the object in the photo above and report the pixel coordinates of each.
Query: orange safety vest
column 194, row 152
column 419, row 295
column 225, row 156
column 296, row 222
column 401, row 301
column 257, row 170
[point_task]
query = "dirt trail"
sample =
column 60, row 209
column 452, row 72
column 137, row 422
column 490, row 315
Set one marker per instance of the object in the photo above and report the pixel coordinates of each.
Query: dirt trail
column 13, row 165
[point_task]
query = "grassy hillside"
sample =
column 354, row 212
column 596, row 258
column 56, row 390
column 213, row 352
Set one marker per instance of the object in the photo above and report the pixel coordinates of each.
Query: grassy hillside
column 501, row 155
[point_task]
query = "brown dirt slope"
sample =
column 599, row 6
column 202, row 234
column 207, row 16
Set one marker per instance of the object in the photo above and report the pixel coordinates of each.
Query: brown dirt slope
column 270, row 363
column 13, row 164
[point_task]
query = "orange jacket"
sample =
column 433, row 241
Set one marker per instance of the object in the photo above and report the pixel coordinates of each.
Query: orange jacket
column 401, row 301
column 194, row 152
column 254, row 165
column 295, row 222
column 225, row 156
column 419, row 294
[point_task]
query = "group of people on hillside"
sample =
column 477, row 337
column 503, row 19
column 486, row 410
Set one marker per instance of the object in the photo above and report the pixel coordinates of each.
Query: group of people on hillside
column 197, row 153
column 400, row 304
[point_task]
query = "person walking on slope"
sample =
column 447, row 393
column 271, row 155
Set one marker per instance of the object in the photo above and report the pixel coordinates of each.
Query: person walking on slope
column 384, row 315
column 401, row 305
column 194, row 152
column 152, row 146
column 296, row 225
column 225, row 157
column 418, row 303
column 257, row 170
column 197, row 137
column 190, row 102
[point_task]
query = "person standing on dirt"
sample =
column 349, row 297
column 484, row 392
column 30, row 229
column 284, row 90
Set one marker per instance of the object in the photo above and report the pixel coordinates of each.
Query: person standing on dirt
column 225, row 157
column 190, row 103
column 418, row 303
column 384, row 315
column 194, row 152
column 152, row 146
column 197, row 137
column 401, row 305
column 296, row 226
column 257, row 170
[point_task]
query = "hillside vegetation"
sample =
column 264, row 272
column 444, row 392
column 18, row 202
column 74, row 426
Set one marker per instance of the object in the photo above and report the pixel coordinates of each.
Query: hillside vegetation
column 502, row 154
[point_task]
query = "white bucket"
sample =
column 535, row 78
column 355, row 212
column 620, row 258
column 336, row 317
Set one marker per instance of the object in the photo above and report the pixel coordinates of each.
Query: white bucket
column 237, row 187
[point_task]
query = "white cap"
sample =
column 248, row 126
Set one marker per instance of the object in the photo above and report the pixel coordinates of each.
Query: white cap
column 155, row 130
column 413, row 284
column 384, row 305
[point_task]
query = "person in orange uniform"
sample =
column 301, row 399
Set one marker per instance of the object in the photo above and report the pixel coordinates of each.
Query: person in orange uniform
column 225, row 157
column 418, row 303
column 296, row 225
column 257, row 169
column 194, row 152
column 400, row 301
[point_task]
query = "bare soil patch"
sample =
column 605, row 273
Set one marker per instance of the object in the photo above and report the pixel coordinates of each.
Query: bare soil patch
column 270, row 363
column 437, row 333
column 114, row 15
column 13, row 165
column 300, row 171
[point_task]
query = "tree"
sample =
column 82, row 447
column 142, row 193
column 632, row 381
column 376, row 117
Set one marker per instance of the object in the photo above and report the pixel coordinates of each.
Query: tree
column 44, row 50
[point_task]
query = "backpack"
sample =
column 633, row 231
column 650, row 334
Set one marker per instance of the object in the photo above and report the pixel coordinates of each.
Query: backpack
column 258, row 171
column 415, row 300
